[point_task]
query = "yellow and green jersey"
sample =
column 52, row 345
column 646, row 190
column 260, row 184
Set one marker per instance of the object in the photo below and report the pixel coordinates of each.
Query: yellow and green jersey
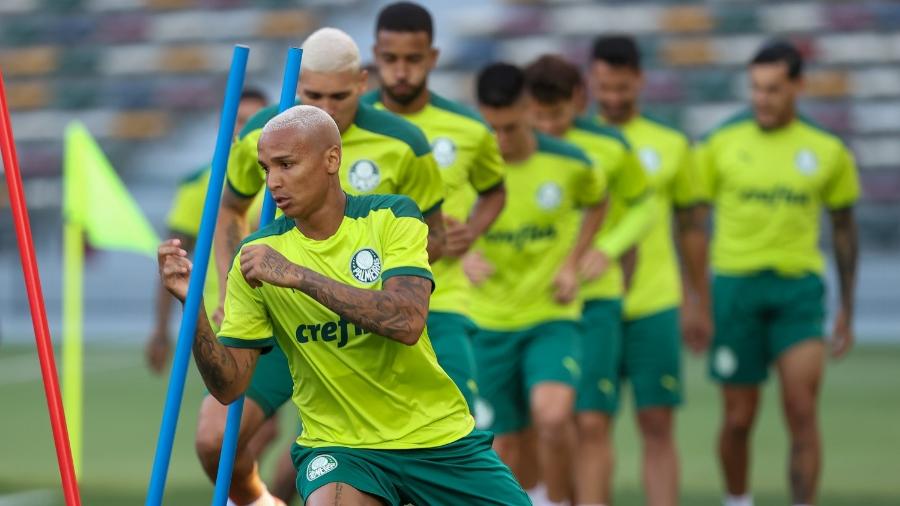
column 768, row 188
column 184, row 218
column 629, row 215
column 665, row 154
column 352, row 388
column 382, row 153
column 533, row 236
column 470, row 163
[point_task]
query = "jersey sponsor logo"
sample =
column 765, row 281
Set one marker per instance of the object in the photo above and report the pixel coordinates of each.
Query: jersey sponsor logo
column 328, row 332
column 549, row 196
column 365, row 266
column 725, row 361
column 444, row 151
column 320, row 466
column 650, row 159
column 806, row 162
column 364, row 175
column 518, row 238
column 776, row 195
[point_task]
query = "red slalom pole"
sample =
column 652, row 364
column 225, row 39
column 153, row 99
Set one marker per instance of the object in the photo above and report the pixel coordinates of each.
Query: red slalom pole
column 36, row 302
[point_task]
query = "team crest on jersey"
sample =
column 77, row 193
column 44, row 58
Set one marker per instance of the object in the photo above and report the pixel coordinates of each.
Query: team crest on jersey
column 549, row 196
column 444, row 151
column 650, row 159
column 365, row 266
column 725, row 361
column 364, row 176
column 320, row 466
column 806, row 161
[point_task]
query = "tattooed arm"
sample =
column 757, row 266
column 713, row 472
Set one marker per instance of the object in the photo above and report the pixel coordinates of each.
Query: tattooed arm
column 436, row 235
column 693, row 241
column 226, row 371
column 846, row 250
column 231, row 228
column 397, row 311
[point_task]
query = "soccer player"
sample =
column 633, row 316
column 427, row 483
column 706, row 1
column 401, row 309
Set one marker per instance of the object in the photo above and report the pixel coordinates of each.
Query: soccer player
column 342, row 284
column 554, row 86
column 382, row 153
column 183, row 223
column 769, row 172
column 650, row 357
column 466, row 152
column 525, row 270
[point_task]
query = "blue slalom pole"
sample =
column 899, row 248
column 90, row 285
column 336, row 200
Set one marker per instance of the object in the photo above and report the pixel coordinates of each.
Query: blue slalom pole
column 236, row 408
column 175, row 393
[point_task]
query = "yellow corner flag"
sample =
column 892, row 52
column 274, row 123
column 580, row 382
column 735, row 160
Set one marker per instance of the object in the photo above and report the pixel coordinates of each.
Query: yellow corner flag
column 96, row 204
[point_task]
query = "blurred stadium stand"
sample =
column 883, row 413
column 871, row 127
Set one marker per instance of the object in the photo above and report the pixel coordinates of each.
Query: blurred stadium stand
column 146, row 76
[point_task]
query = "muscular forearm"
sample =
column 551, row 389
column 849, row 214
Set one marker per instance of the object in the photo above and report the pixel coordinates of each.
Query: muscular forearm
column 488, row 206
column 398, row 315
column 225, row 373
column 230, row 230
column 693, row 241
column 436, row 236
column 590, row 224
column 846, row 252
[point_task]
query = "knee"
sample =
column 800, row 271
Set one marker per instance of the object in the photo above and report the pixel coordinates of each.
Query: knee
column 593, row 428
column 738, row 423
column 208, row 445
column 552, row 422
column 800, row 415
column 656, row 427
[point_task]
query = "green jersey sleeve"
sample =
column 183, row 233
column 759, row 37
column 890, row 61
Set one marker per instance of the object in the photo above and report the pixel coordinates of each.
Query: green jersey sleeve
column 405, row 243
column 705, row 171
column 187, row 207
column 685, row 183
column 422, row 182
column 591, row 187
column 842, row 189
column 488, row 170
column 247, row 323
column 630, row 183
column 245, row 177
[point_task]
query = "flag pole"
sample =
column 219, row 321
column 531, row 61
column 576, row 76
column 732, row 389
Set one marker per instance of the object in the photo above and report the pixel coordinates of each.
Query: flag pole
column 177, row 377
column 36, row 304
column 72, row 343
column 236, row 408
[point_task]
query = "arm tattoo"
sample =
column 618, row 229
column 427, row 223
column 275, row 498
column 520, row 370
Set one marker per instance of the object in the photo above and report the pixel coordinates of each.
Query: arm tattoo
column 846, row 252
column 222, row 371
column 398, row 311
column 436, row 236
column 277, row 265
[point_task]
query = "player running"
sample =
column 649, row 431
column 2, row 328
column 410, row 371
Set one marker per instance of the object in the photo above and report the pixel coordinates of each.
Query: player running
column 525, row 270
column 471, row 168
column 769, row 172
column 382, row 153
column 342, row 284
column 183, row 223
column 555, row 87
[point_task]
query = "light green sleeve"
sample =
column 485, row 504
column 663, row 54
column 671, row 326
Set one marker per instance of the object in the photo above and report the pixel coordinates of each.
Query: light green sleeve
column 637, row 221
column 422, row 182
column 686, row 183
column 187, row 208
column 246, row 323
column 842, row 189
column 488, row 170
column 245, row 177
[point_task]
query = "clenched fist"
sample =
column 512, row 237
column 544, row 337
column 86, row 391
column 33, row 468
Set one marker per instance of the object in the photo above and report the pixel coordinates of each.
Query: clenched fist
column 262, row 264
column 174, row 268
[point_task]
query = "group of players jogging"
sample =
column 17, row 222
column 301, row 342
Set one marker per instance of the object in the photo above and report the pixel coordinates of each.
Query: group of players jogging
column 453, row 299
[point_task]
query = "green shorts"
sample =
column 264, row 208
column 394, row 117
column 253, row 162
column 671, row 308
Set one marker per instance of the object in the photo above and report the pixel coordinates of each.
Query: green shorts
column 601, row 356
column 758, row 317
column 511, row 363
column 272, row 384
column 466, row 471
column 651, row 359
column 451, row 337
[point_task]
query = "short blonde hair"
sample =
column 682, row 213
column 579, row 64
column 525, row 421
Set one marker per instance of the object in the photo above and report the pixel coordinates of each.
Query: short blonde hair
column 330, row 50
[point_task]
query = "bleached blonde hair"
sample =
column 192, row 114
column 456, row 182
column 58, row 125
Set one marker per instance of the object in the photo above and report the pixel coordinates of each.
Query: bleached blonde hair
column 305, row 118
column 330, row 50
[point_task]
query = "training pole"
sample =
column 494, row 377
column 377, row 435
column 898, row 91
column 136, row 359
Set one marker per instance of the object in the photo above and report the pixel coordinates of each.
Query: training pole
column 36, row 303
column 192, row 308
column 236, row 408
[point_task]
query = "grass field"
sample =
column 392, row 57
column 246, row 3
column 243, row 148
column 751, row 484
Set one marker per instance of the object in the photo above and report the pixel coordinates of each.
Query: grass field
column 860, row 411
